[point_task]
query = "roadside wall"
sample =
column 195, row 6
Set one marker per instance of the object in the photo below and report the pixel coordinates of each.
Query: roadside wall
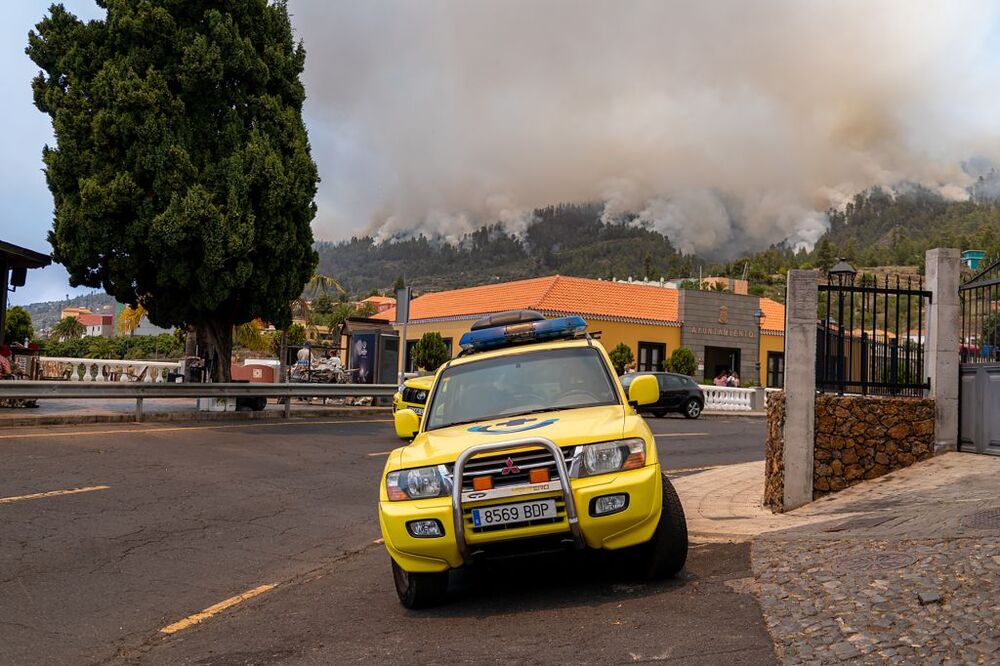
column 774, row 453
column 856, row 438
column 860, row 438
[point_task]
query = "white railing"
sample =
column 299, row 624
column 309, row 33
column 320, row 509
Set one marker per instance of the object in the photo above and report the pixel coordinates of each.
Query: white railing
column 726, row 399
column 104, row 370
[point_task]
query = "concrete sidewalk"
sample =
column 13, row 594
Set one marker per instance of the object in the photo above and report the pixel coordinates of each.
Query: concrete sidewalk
column 901, row 569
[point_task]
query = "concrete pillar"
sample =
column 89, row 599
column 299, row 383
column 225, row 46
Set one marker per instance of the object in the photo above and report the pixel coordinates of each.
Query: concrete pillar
column 800, row 387
column 944, row 317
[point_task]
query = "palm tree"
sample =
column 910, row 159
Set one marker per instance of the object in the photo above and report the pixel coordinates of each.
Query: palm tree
column 302, row 306
column 67, row 328
column 251, row 336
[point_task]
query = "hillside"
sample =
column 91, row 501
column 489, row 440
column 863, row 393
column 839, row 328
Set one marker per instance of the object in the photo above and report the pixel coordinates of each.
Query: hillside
column 568, row 239
column 876, row 229
column 46, row 314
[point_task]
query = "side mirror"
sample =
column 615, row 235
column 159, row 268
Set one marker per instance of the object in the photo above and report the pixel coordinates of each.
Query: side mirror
column 643, row 390
column 407, row 424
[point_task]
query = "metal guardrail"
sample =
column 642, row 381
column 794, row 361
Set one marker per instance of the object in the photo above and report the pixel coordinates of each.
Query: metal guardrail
column 46, row 390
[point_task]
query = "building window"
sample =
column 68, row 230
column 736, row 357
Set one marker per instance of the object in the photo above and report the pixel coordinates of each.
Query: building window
column 651, row 356
column 775, row 369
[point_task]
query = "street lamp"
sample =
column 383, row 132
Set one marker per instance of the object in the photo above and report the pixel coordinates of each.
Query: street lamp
column 759, row 317
column 842, row 271
column 844, row 274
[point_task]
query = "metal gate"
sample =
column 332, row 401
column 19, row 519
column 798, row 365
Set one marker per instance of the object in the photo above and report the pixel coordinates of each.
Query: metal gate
column 979, row 373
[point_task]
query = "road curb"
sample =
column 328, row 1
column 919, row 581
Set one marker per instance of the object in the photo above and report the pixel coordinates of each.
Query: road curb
column 716, row 414
column 150, row 417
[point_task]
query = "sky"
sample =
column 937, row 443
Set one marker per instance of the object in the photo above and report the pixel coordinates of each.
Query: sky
column 726, row 125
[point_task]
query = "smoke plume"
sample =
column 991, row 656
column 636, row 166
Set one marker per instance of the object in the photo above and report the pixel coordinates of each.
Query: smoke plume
column 717, row 123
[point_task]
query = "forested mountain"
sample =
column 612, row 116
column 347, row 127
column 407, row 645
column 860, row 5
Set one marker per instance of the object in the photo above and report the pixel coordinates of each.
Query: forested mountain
column 568, row 239
column 877, row 228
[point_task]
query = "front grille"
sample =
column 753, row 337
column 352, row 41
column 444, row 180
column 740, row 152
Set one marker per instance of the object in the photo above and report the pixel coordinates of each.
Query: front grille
column 414, row 395
column 500, row 467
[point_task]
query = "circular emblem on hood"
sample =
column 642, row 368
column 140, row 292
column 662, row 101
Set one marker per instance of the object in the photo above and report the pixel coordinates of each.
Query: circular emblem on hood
column 512, row 426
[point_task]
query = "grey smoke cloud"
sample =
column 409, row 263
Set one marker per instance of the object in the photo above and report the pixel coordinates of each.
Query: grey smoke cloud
column 711, row 121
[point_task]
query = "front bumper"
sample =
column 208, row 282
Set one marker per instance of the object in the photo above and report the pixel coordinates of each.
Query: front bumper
column 633, row 526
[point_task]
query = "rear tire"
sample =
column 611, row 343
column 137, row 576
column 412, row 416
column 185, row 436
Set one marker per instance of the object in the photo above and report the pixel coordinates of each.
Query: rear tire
column 692, row 409
column 419, row 590
column 665, row 554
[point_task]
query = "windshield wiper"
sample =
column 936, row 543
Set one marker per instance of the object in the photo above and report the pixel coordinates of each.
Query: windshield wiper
column 540, row 410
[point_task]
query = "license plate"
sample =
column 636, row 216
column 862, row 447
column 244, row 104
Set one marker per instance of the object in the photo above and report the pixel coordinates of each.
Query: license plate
column 509, row 514
column 419, row 411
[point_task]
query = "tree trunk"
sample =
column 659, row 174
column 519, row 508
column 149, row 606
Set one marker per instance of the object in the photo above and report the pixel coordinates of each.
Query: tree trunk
column 282, row 355
column 191, row 341
column 218, row 351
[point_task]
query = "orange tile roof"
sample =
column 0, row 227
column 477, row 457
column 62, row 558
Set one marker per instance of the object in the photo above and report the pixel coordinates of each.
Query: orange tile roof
column 379, row 300
column 556, row 293
column 774, row 316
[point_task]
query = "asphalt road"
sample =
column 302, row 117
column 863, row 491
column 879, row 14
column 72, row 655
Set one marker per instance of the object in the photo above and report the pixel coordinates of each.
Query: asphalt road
column 175, row 519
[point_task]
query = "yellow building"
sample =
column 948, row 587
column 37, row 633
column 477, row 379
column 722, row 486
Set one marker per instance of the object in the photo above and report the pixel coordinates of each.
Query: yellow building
column 724, row 330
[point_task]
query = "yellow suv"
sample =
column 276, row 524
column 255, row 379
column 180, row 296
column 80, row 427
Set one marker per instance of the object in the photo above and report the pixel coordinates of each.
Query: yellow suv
column 412, row 394
column 528, row 442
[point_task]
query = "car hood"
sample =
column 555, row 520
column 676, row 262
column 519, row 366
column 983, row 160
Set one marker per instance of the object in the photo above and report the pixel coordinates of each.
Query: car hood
column 566, row 427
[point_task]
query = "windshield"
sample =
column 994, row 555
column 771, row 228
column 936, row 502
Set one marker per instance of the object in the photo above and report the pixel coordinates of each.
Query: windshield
column 520, row 384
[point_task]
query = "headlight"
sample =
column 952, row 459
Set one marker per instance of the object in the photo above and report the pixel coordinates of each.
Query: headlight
column 401, row 387
column 613, row 456
column 418, row 483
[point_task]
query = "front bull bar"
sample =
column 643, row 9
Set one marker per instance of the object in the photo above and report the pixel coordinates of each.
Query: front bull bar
column 458, row 516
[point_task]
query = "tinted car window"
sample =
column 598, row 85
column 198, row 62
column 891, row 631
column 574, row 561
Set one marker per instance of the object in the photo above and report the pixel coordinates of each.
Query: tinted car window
column 674, row 382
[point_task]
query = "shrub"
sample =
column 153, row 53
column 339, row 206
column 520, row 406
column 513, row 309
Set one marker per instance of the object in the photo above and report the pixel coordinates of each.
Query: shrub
column 621, row 356
column 430, row 352
column 682, row 362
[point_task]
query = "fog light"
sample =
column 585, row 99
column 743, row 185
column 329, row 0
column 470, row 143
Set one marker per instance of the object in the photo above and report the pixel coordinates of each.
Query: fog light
column 608, row 504
column 425, row 529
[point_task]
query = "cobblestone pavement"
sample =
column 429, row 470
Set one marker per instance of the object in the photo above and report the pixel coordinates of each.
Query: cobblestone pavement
column 902, row 570
column 905, row 602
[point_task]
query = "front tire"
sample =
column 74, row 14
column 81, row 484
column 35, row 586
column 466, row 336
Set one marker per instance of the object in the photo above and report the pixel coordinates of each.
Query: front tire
column 419, row 590
column 692, row 409
column 665, row 554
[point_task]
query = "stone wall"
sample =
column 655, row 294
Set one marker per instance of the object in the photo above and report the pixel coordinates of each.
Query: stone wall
column 774, row 461
column 860, row 438
column 856, row 438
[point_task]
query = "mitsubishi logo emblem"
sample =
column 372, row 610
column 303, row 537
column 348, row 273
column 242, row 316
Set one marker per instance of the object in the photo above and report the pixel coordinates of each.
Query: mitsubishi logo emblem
column 510, row 468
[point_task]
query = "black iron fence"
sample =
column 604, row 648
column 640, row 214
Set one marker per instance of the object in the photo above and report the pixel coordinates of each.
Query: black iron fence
column 980, row 295
column 871, row 335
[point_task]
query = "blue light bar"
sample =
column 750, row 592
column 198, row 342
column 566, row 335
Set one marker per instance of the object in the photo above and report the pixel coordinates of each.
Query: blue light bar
column 535, row 331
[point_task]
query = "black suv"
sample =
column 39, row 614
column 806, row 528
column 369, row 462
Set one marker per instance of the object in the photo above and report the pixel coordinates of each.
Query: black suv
column 678, row 393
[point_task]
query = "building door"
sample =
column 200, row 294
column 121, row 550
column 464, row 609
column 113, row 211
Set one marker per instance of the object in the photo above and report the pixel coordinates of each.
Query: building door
column 721, row 359
column 776, row 369
column 651, row 356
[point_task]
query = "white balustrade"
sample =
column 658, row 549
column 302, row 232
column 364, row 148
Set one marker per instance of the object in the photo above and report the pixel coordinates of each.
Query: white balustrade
column 102, row 370
column 727, row 399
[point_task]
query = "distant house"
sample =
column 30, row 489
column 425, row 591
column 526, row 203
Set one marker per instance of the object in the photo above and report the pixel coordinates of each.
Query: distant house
column 381, row 303
column 74, row 312
column 97, row 324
